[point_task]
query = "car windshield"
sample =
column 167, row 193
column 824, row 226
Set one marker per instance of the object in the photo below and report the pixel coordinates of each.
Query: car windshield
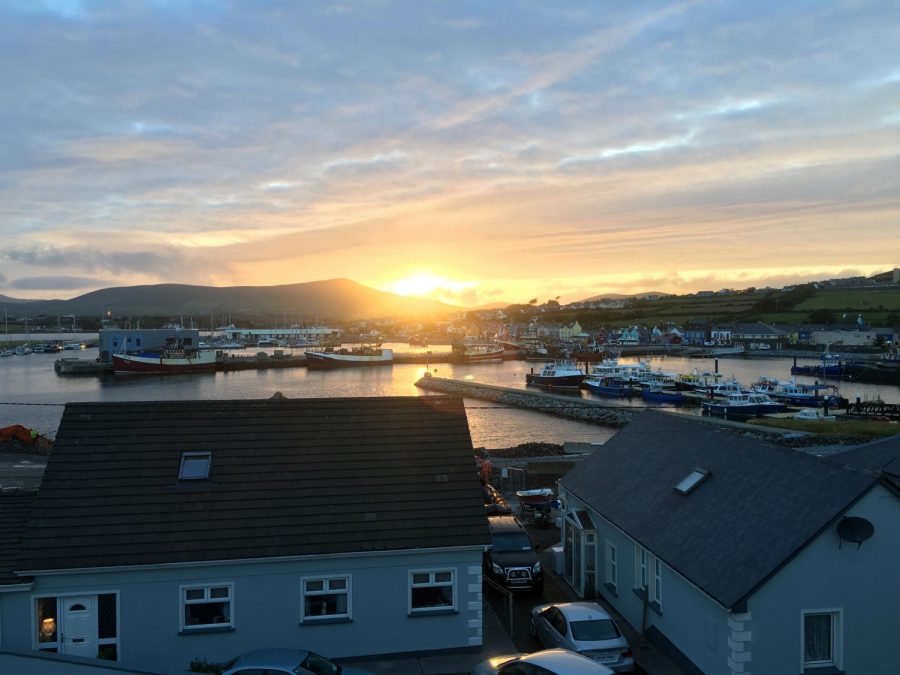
column 511, row 542
column 319, row 665
column 594, row 630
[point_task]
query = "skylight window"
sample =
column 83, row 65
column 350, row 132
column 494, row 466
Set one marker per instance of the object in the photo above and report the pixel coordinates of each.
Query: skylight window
column 195, row 465
column 690, row 482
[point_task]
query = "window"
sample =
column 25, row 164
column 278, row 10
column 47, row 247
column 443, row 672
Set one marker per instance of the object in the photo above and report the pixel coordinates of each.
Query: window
column 691, row 481
column 641, row 576
column 612, row 566
column 195, row 465
column 206, row 606
column 821, row 638
column 431, row 590
column 47, row 622
column 326, row 598
column 656, row 589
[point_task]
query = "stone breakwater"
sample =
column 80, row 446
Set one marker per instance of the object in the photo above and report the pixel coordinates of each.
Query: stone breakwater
column 563, row 406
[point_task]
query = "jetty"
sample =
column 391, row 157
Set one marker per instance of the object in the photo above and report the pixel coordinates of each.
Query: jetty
column 584, row 410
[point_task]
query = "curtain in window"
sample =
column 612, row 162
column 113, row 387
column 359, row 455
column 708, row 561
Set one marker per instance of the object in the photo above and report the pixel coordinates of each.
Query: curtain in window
column 817, row 638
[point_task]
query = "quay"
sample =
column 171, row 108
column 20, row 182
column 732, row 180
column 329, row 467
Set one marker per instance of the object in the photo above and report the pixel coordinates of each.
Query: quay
column 580, row 409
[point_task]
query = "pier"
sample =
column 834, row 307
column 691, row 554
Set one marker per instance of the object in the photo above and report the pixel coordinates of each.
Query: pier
column 580, row 409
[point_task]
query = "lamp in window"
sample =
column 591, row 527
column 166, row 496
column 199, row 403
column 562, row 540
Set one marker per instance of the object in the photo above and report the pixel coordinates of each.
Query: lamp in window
column 48, row 627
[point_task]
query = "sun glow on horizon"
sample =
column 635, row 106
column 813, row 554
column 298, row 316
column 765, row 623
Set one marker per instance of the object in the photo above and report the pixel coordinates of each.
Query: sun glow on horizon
column 427, row 285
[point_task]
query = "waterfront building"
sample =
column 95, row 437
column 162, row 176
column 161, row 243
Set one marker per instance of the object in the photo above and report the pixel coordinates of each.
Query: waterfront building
column 115, row 340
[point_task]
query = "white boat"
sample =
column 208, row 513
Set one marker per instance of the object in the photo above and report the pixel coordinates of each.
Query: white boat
column 815, row 415
column 23, row 350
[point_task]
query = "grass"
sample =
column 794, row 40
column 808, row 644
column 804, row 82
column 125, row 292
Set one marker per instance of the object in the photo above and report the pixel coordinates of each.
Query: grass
column 840, row 427
column 853, row 300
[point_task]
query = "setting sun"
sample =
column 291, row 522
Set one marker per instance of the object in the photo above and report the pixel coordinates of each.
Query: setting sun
column 426, row 284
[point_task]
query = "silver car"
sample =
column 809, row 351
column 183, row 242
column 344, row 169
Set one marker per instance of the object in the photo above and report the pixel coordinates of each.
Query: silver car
column 286, row 662
column 547, row 662
column 583, row 627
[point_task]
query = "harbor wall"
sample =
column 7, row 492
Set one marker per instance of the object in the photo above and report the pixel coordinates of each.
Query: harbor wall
column 563, row 406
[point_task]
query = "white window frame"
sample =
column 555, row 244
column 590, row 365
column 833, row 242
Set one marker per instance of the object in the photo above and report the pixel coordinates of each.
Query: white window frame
column 326, row 579
column 612, row 565
column 837, row 639
column 183, row 602
column 431, row 572
column 641, row 568
column 656, row 581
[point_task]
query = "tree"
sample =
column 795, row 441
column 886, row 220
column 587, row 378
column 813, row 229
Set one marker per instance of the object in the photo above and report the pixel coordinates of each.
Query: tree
column 821, row 316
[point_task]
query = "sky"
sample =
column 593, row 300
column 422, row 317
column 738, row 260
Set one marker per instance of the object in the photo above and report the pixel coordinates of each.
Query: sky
column 474, row 152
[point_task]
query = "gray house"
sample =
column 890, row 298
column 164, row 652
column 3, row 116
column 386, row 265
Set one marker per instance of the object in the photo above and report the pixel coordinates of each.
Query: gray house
column 169, row 531
column 737, row 555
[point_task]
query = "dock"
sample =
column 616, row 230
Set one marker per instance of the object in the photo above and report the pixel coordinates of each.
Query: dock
column 584, row 410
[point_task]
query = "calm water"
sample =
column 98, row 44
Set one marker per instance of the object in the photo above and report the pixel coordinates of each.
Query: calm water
column 32, row 380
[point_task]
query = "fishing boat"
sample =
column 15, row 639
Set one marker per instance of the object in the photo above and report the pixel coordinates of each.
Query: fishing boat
column 557, row 374
column 697, row 379
column 608, row 386
column 478, row 353
column 538, row 496
column 659, row 394
column 172, row 359
column 744, row 403
column 363, row 355
column 809, row 395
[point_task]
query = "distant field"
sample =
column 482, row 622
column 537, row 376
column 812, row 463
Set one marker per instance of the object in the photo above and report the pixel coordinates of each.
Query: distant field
column 840, row 427
column 854, row 300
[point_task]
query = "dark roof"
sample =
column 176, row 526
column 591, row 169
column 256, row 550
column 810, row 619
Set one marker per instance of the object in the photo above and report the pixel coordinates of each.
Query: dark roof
column 878, row 458
column 759, row 505
column 288, row 477
column 15, row 505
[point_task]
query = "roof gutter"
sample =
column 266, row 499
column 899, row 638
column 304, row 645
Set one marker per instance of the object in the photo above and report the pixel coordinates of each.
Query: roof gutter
column 243, row 561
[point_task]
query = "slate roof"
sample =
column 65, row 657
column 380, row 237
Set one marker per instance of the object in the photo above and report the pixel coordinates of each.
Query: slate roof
column 760, row 505
column 15, row 505
column 288, row 477
column 879, row 458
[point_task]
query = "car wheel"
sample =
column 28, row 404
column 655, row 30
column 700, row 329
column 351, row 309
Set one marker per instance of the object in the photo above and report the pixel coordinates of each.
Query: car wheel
column 532, row 627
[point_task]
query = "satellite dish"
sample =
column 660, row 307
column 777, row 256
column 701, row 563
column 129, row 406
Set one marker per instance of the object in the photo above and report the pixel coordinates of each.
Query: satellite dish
column 855, row 529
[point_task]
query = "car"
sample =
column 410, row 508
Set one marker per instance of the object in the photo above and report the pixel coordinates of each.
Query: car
column 286, row 662
column 547, row 662
column 583, row 627
column 511, row 560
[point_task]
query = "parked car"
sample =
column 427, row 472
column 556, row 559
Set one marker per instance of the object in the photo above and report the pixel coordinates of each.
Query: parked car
column 547, row 662
column 511, row 560
column 286, row 662
column 583, row 627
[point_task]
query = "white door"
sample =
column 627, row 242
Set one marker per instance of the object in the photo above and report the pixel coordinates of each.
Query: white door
column 79, row 626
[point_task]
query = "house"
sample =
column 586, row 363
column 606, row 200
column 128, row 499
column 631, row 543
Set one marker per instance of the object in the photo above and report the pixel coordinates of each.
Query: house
column 750, row 557
column 168, row 531
column 758, row 335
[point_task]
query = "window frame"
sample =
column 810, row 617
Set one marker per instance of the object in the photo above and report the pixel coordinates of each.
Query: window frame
column 656, row 582
column 188, row 457
column 432, row 572
column 326, row 578
column 183, row 602
column 611, row 576
column 837, row 644
column 642, row 568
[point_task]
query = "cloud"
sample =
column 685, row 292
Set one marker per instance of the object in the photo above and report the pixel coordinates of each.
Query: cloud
column 94, row 259
column 58, row 283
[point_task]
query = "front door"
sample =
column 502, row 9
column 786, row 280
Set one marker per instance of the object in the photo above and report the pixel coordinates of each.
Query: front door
column 79, row 626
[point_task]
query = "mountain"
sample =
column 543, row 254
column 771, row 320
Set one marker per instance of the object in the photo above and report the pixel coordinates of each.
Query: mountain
column 330, row 299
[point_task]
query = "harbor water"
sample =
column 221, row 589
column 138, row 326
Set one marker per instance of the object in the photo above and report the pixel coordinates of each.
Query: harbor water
column 32, row 394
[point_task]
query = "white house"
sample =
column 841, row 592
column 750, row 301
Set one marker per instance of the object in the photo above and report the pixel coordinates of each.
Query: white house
column 737, row 555
column 168, row 531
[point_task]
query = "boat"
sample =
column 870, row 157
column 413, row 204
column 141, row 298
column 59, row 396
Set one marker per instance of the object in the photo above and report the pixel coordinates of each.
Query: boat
column 173, row 359
column 831, row 366
column 267, row 342
column 660, row 394
column 744, row 403
column 809, row 395
column 364, row 355
column 724, row 389
column 815, row 415
column 41, row 348
column 697, row 379
column 478, row 353
column 562, row 373
column 73, row 345
column 6, row 351
column 538, row 496
column 23, row 350
column 608, row 386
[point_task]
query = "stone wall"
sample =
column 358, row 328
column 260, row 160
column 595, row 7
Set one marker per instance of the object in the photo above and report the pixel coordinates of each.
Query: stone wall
column 564, row 406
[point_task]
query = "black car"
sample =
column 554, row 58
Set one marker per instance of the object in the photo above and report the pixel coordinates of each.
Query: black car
column 512, row 560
